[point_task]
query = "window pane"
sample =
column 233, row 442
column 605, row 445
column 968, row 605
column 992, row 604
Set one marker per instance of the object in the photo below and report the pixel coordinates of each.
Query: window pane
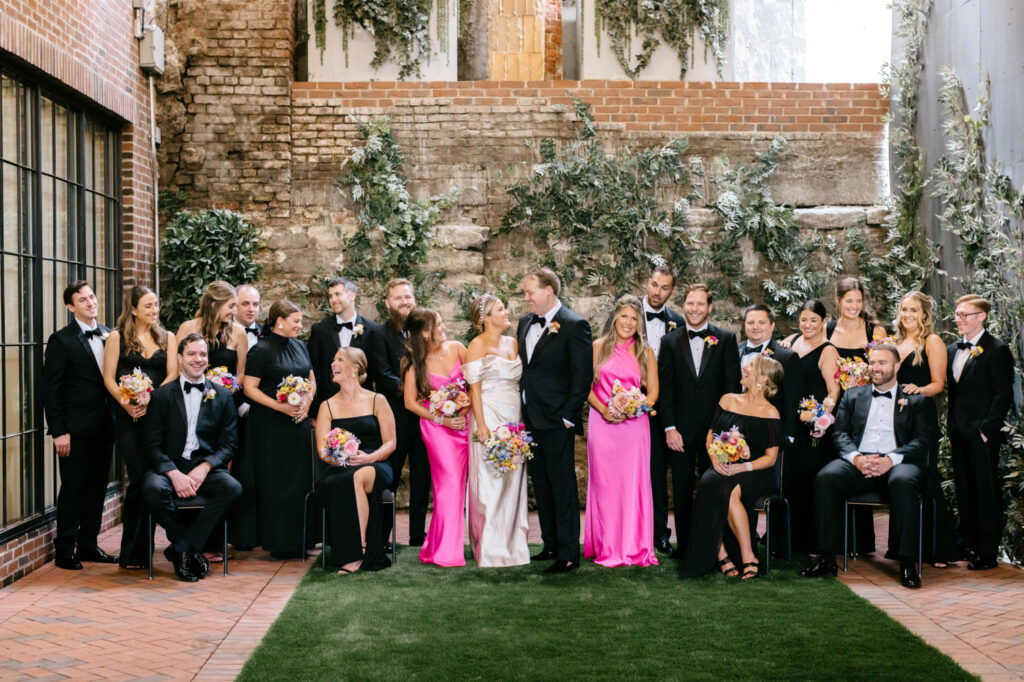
column 27, row 206
column 60, row 221
column 52, row 289
column 49, row 474
column 72, row 146
column 111, row 163
column 47, row 216
column 11, row 313
column 72, row 226
column 90, row 226
column 46, row 135
column 29, row 299
column 101, row 230
column 10, row 200
column 100, row 159
column 88, row 153
column 60, row 142
column 9, row 121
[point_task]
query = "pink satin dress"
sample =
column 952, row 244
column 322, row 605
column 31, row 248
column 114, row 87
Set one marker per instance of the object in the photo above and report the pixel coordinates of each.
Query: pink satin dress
column 619, row 523
column 448, row 454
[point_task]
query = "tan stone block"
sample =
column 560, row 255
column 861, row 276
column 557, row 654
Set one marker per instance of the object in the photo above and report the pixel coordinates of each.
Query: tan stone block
column 508, row 7
column 515, row 34
column 529, row 31
column 538, row 35
column 535, row 63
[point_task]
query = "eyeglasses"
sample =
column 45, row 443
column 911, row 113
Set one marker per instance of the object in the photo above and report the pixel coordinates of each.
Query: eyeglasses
column 962, row 316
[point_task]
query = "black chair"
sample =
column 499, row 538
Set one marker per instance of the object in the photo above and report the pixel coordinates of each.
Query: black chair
column 765, row 504
column 878, row 500
column 190, row 503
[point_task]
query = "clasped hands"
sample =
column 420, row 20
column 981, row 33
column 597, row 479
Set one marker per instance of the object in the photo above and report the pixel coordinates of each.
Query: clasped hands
column 872, row 466
column 187, row 485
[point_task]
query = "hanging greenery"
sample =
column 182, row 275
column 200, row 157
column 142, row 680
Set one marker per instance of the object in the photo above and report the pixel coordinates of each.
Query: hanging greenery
column 981, row 206
column 672, row 22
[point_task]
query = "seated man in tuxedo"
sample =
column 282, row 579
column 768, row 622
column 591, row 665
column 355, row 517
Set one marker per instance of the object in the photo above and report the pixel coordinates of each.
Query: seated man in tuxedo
column 882, row 436
column 190, row 437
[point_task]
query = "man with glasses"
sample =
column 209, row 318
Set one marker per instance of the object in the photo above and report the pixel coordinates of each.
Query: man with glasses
column 980, row 380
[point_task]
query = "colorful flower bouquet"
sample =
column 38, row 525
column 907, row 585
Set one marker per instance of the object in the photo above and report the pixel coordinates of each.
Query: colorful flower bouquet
column 729, row 447
column 338, row 447
column 292, row 390
column 135, row 388
column 222, row 377
column 628, row 403
column 508, row 447
column 817, row 418
column 447, row 400
column 852, row 372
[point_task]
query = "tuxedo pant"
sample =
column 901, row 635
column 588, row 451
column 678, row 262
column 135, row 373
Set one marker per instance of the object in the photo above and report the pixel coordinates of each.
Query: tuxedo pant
column 83, row 485
column 553, row 472
column 979, row 495
column 840, row 480
column 244, row 516
column 659, row 480
column 220, row 490
column 684, row 478
column 410, row 446
column 131, row 445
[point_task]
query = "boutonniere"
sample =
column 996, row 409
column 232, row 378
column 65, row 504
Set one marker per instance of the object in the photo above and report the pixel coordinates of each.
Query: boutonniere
column 357, row 330
column 104, row 335
column 711, row 341
column 672, row 325
column 553, row 328
column 209, row 395
column 767, row 352
column 902, row 402
column 976, row 351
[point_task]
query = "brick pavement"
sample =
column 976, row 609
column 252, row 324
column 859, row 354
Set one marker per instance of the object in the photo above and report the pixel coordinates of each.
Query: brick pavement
column 104, row 623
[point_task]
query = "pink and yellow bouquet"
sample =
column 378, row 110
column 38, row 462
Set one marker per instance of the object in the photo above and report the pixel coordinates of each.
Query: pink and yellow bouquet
column 293, row 390
column 628, row 403
column 135, row 388
column 222, row 377
column 338, row 447
column 447, row 400
column 509, row 447
column 729, row 447
column 852, row 372
column 817, row 418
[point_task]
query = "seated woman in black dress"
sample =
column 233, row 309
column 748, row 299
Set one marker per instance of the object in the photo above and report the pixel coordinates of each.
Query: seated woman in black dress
column 727, row 492
column 352, row 494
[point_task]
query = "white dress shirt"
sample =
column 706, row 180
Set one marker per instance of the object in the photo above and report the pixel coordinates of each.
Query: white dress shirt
column 656, row 329
column 193, row 399
column 963, row 355
column 747, row 358
column 879, row 434
column 95, row 343
column 535, row 331
column 697, row 346
column 345, row 334
column 251, row 336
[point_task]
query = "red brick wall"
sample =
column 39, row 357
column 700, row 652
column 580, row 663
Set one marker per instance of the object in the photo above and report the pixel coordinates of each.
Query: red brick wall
column 553, row 39
column 648, row 106
column 87, row 46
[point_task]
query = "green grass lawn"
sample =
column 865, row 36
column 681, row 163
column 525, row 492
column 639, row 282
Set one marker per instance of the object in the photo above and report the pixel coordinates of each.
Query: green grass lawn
column 419, row 622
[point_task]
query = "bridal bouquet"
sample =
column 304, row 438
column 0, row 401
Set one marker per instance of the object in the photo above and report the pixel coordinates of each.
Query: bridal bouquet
column 135, row 388
column 814, row 414
column 338, row 446
column 852, row 372
column 292, row 390
column 729, row 447
column 222, row 377
column 628, row 403
column 508, row 447
column 447, row 400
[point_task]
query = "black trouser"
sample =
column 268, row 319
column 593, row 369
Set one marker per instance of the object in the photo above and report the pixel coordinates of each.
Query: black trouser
column 219, row 488
column 684, row 479
column 979, row 495
column 131, row 445
column 410, row 446
column 659, row 481
column 553, row 471
column 83, row 486
column 839, row 480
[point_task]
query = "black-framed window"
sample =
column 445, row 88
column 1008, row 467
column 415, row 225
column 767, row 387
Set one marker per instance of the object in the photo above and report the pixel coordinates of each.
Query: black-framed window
column 60, row 202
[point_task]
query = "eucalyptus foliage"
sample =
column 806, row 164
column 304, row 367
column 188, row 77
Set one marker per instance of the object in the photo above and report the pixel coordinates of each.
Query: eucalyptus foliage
column 981, row 206
column 198, row 248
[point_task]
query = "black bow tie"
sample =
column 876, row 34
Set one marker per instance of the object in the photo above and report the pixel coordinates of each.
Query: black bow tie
column 660, row 315
column 752, row 349
column 89, row 333
column 254, row 330
column 188, row 386
column 880, row 394
column 962, row 345
column 338, row 326
column 539, row 319
column 703, row 333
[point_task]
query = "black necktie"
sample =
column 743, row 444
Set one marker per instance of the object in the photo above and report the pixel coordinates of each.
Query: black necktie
column 751, row 349
column 539, row 319
column 660, row 315
column 962, row 345
column 188, row 386
column 89, row 333
column 878, row 394
column 703, row 333
column 338, row 326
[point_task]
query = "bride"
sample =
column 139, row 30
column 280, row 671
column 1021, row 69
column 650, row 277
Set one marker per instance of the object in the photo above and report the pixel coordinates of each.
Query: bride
column 497, row 504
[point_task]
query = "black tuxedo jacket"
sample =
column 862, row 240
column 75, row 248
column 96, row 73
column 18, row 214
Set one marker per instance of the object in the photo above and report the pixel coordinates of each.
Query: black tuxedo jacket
column 389, row 382
column 557, row 378
column 323, row 344
column 688, row 397
column 166, row 428
column 910, row 423
column 787, row 399
column 984, row 394
column 74, row 397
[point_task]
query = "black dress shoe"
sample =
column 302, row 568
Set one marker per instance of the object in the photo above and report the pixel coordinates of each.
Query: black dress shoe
column 821, row 567
column 69, row 562
column 663, row 545
column 561, row 566
column 199, row 564
column 979, row 564
column 677, row 553
column 97, row 555
column 181, row 563
column 909, row 577
column 544, row 555
column 416, row 542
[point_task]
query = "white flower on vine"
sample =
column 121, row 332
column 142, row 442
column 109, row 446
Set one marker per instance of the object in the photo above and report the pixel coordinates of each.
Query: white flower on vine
column 357, row 192
column 539, row 169
column 681, row 206
column 357, row 156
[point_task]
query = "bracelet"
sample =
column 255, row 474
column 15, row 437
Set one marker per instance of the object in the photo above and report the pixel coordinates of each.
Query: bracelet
column 750, row 466
column 438, row 419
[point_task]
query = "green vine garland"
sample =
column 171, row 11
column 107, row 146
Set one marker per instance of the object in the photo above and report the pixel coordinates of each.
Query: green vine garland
column 673, row 22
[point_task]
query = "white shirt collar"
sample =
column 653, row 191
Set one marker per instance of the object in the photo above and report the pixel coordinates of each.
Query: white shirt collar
column 890, row 393
column 550, row 315
column 81, row 324
column 352, row 320
column 649, row 309
column 182, row 379
column 697, row 329
column 977, row 337
column 762, row 345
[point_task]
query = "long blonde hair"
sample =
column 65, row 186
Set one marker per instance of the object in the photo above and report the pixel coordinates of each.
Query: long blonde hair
column 126, row 323
column 927, row 323
column 214, row 330
column 607, row 342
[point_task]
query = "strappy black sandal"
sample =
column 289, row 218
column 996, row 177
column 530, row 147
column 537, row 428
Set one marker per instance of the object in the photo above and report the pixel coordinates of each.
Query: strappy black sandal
column 751, row 570
column 730, row 572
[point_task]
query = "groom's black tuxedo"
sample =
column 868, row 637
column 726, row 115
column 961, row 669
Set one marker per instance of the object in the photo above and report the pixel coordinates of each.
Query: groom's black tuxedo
column 978, row 404
column 166, row 429
column 323, row 343
column 77, row 403
column 555, row 384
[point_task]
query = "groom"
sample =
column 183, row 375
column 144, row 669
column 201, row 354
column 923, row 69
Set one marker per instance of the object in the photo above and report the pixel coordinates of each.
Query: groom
column 555, row 347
